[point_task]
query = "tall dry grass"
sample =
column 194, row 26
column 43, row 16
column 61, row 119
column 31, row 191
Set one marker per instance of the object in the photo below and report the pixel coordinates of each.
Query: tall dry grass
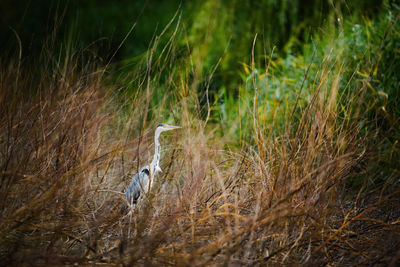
column 66, row 158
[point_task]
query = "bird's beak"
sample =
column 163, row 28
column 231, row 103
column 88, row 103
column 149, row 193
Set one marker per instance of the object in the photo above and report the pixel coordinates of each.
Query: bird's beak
column 171, row 127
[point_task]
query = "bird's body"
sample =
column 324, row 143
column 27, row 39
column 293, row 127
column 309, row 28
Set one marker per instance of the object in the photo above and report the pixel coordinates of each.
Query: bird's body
column 142, row 181
column 138, row 185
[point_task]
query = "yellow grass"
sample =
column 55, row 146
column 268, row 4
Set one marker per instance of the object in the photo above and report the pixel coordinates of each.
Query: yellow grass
column 66, row 157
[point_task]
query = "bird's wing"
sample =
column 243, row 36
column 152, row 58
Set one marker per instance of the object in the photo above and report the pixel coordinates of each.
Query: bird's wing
column 137, row 184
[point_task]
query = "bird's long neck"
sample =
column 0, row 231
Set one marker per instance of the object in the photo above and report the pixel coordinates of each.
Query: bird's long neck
column 155, row 164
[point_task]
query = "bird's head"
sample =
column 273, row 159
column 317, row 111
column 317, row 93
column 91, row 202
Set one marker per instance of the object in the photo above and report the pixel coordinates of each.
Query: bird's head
column 166, row 127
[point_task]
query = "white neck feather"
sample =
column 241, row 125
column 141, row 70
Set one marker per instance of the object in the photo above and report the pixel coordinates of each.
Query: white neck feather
column 155, row 163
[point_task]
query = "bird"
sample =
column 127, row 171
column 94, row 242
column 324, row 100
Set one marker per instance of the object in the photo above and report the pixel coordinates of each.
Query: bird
column 139, row 184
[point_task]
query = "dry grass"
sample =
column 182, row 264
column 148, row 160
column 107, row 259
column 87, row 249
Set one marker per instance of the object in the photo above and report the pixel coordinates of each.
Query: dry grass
column 279, row 201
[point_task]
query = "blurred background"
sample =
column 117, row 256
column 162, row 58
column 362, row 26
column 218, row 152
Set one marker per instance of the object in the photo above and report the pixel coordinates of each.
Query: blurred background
column 108, row 22
column 212, row 36
column 213, row 26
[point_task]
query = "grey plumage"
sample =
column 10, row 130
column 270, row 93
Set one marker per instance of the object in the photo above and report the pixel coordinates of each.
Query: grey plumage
column 137, row 185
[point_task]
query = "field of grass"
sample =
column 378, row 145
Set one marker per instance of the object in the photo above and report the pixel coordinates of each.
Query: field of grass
column 298, row 166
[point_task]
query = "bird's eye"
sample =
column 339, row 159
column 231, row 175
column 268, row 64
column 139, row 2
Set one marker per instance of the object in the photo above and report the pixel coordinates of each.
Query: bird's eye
column 146, row 171
column 160, row 125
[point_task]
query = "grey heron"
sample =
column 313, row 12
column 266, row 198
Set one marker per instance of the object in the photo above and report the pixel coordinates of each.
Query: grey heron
column 145, row 177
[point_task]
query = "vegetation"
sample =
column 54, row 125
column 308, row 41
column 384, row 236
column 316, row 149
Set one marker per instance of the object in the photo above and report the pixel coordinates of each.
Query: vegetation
column 289, row 151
